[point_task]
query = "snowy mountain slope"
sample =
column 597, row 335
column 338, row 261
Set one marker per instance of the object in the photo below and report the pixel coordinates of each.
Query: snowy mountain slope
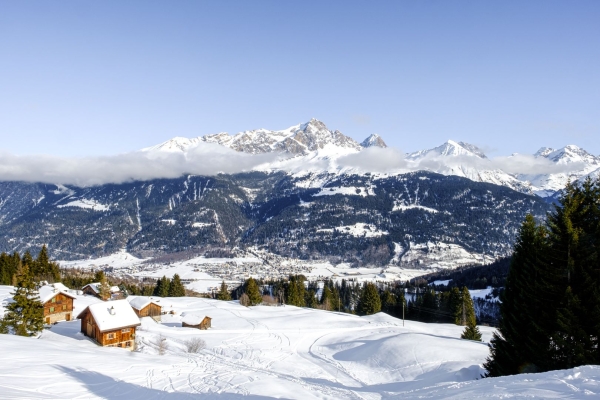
column 271, row 352
column 298, row 139
column 466, row 160
column 312, row 147
column 576, row 162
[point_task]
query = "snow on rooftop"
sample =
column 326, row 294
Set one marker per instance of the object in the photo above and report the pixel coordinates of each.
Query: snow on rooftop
column 47, row 292
column 139, row 302
column 112, row 315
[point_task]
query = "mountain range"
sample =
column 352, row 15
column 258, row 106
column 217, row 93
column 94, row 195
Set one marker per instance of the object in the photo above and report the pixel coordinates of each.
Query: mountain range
column 318, row 149
column 320, row 195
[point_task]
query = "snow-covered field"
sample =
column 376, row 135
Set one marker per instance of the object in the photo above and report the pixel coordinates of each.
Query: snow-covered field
column 270, row 352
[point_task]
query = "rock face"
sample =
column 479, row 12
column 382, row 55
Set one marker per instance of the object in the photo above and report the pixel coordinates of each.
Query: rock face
column 298, row 139
column 374, row 141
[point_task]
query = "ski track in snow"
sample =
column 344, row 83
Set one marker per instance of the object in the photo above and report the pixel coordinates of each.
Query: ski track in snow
column 270, row 352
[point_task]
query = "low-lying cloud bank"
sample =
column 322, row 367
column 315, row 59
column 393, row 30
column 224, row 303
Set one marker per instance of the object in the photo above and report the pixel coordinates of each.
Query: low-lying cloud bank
column 211, row 159
column 208, row 159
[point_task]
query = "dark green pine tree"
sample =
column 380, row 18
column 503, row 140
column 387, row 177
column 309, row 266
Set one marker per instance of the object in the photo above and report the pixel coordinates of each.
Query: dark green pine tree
column 176, row 288
column 25, row 315
column 574, row 249
column 223, row 293
column 253, row 293
column 471, row 332
column 296, row 292
column 326, row 298
column 522, row 338
column 162, row 287
column 388, row 302
column 44, row 269
column 369, row 301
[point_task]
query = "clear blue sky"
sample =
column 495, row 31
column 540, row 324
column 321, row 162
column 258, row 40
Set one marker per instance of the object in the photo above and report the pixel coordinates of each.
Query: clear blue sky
column 106, row 77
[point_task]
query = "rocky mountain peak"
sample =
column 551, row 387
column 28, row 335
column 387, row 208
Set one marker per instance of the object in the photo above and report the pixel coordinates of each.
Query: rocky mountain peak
column 374, row 140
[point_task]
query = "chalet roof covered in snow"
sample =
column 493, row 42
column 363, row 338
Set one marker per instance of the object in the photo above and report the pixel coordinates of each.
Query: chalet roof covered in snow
column 112, row 315
column 96, row 287
column 140, row 302
column 47, row 292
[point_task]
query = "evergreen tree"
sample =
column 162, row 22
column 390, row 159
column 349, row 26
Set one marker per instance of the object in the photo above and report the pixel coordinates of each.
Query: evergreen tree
column 104, row 289
column 162, row 287
column 369, row 301
column 176, row 288
column 388, row 302
column 296, row 292
column 326, row 298
column 25, row 315
column 223, row 293
column 471, row 332
column 44, row 269
column 551, row 303
column 253, row 293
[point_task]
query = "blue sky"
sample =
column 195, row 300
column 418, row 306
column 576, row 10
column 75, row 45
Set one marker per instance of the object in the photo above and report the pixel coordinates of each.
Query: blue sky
column 100, row 78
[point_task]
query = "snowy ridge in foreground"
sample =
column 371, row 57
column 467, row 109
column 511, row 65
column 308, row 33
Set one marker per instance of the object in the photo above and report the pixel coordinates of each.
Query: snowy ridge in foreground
column 272, row 352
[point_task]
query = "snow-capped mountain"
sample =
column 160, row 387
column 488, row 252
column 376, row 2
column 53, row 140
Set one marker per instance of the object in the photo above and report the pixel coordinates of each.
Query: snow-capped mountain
column 311, row 147
column 576, row 164
column 466, row 160
column 374, row 141
column 299, row 139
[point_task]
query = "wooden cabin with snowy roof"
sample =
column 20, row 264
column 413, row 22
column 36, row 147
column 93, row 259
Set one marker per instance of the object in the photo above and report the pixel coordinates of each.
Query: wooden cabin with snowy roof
column 146, row 306
column 93, row 289
column 57, row 301
column 110, row 323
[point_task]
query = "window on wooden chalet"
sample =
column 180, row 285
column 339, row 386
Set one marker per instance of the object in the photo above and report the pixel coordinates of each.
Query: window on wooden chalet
column 51, row 309
column 64, row 307
column 110, row 336
column 54, row 299
column 126, row 330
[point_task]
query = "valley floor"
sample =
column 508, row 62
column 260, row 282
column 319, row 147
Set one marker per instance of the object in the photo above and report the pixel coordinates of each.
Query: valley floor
column 271, row 352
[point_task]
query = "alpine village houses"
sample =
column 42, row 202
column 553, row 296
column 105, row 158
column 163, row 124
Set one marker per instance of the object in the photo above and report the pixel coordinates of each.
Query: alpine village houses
column 110, row 324
column 146, row 307
column 57, row 302
column 93, row 289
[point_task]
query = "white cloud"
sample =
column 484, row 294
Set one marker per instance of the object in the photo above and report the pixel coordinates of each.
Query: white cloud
column 205, row 159
column 211, row 158
column 375, row 159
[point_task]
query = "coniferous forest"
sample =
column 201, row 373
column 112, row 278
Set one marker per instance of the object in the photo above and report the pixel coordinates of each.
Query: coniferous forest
column 550, row 310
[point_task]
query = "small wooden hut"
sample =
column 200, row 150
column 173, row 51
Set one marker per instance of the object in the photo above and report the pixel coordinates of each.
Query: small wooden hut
column 193, row 321
column 146, row 307
column 110, row 324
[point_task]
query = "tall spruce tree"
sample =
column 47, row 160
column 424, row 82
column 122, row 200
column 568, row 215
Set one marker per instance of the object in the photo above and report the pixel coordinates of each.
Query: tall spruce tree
column 520, row 336
column 550, row 311
column 295, row 291
column 25, row 315
column 223, row 293
column 162, row 287
column 253, row 293
column 471, row 332
column 176, row 288
column 369, row 301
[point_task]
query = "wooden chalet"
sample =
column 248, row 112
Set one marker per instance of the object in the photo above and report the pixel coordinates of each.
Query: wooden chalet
column 58, row 303
column 93, row 289
column 193, row 321
column 110, row 324
column 146, row 307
